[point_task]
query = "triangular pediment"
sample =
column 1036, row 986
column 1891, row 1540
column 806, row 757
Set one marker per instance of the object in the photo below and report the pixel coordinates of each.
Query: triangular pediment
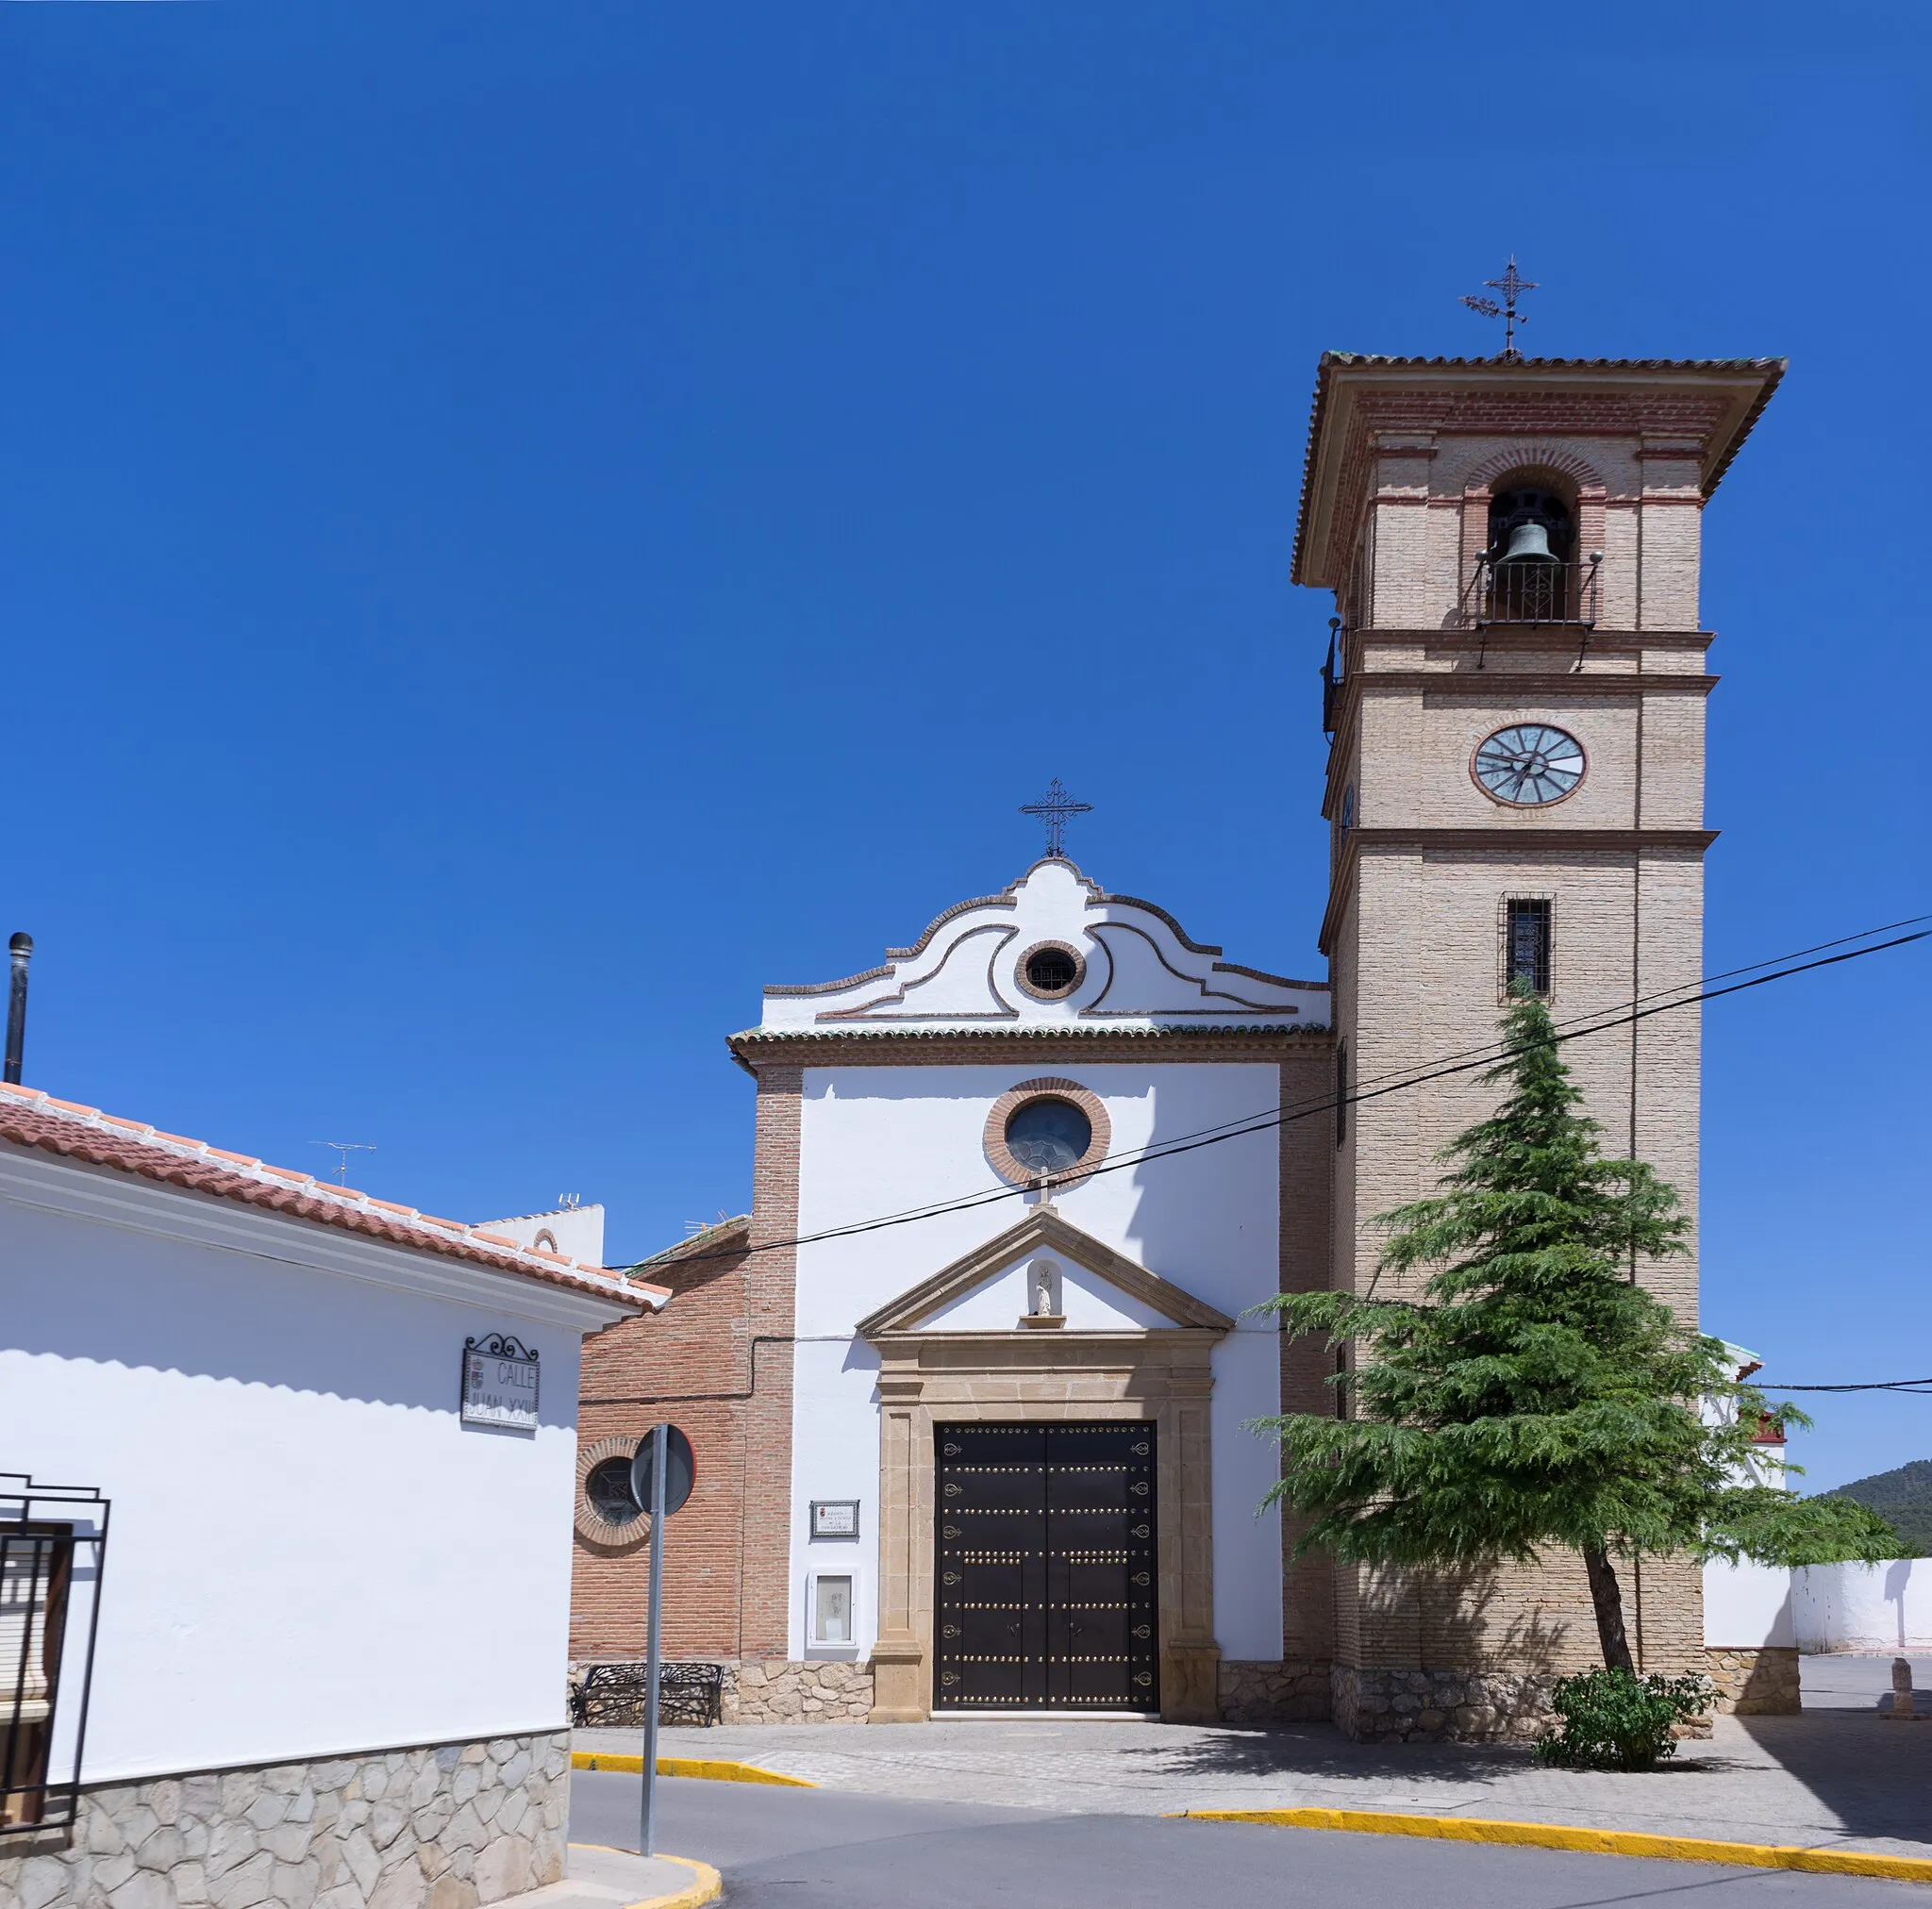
column 1045, row 1232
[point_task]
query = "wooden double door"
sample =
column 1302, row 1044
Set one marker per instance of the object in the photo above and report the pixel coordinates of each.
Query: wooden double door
column 1047, row 1585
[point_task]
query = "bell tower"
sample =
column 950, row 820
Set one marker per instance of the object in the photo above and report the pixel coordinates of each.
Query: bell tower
column 1515, row 702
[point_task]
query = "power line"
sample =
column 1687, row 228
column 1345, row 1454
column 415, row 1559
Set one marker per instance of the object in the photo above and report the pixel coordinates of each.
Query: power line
column 1246, row 1124
column 1919, row 1387
column 1300, row 1111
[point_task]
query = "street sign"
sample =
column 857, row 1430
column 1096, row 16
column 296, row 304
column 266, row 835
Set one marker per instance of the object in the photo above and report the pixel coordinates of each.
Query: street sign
column 499, row 1382
column 662, row 1472
column 680, row 1470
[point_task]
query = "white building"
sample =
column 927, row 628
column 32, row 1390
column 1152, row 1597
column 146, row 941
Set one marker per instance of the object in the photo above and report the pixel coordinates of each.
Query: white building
column 1089, row 1359
column 330, row 1444
column 1146, row 1277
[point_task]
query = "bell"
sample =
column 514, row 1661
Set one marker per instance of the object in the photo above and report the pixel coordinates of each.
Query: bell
column 1528, row 543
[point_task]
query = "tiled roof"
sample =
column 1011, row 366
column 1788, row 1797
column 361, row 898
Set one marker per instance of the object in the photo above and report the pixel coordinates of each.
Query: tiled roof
column 755, row 1039
column 31, row 1119
column 1769, row 369
column 707, row 1241
column 1530, row 364
column 773, row 1037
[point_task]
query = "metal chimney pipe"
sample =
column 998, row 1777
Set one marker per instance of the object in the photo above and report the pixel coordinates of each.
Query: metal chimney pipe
column 21, row 950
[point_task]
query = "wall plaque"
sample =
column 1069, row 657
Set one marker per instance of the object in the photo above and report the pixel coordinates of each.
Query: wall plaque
column 835, row 1517
column 499, row 1382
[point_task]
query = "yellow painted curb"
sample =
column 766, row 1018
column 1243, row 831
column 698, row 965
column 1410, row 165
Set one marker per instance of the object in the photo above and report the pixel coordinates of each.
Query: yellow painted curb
column 716, row 1769
column 706, row 1884
column 1595, row 1842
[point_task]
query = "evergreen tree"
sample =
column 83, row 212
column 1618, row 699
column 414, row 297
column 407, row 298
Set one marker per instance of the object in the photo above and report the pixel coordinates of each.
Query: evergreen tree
column 1534, row 1395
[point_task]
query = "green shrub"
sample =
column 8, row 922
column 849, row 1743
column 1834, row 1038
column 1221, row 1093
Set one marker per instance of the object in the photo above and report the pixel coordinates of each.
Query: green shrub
column 1614, row 1721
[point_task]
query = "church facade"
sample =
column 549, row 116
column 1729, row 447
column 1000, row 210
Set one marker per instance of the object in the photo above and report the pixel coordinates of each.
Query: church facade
column 976, row 1370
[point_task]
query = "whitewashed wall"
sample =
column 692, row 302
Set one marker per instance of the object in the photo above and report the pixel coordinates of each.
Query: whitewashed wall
column 1864, row 1607
column 876, row 1139
column 1747, row 1606
column 577, row 1231
column 1820, row 1608
column 308, row 1552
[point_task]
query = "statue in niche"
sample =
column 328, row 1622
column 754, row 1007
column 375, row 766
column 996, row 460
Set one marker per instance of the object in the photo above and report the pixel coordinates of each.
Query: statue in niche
column 1043, row 1306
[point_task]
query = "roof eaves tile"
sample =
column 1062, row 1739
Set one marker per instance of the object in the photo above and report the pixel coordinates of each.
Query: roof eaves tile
column 70, row 1130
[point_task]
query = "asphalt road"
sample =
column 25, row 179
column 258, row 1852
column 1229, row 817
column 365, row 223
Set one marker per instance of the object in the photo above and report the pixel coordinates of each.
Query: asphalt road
column 812, row 1849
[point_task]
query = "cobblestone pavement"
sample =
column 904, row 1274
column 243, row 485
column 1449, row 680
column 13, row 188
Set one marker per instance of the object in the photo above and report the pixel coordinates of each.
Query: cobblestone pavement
column 1834, row 1777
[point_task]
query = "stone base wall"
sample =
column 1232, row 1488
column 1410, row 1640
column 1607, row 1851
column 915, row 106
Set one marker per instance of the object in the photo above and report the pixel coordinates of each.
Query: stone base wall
column 784, row 1690
column 450, row 1826
column 1290, row 1692
column 1475, row 1706
column 1754, row 1680
column 1468, row 1707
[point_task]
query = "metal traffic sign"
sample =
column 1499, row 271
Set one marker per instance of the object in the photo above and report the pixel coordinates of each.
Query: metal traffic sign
column 680, row 1470
column 662, row 1472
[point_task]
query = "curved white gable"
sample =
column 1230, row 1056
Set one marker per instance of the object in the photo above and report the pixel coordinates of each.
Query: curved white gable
column 1141, row 971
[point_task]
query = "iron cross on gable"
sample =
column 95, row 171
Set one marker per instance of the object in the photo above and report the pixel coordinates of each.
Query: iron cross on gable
column 1055, row 808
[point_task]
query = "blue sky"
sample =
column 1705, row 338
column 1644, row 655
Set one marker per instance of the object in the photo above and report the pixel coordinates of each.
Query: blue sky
column 522, row 523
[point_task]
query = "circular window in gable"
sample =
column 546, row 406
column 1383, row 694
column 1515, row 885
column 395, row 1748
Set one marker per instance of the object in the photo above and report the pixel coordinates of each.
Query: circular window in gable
column 1047, row 1129
column 1050, row 971
column 1049, row 1135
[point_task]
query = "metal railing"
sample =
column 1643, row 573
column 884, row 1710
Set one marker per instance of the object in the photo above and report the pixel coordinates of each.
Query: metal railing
column 613, row 1696
column 53, row 1543
column 1532, row 593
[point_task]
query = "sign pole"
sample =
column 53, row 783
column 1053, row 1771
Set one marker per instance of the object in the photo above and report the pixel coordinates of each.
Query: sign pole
column 661, row 1450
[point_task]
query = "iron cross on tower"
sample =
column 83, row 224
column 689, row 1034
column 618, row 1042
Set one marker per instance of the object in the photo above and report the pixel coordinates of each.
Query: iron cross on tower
column 1055, row 808
column 1508, row 285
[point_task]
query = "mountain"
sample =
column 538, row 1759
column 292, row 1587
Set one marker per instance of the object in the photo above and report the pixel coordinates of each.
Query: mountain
column 1903, row 1497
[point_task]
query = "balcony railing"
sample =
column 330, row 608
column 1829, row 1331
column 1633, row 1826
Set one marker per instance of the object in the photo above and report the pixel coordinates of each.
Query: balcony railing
column 1533, row 593
column 53, row 1539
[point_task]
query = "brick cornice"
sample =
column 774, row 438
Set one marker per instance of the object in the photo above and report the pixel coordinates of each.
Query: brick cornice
column 1530, row 636
column 1538, row 403
column 754, row 1052
column 1535, row 682
column 1524, row 838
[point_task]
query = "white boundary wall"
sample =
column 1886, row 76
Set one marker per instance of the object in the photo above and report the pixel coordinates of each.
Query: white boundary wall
column 1820, row 1608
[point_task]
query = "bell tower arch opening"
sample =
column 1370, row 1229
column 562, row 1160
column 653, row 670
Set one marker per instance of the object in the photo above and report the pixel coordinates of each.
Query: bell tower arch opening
column 1532, row 551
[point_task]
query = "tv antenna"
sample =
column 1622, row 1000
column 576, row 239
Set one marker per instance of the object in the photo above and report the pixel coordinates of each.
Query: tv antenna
column 344, row 1149
column 1510, row 285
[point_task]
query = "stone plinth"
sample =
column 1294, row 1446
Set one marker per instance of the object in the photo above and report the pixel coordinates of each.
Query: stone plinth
column 1755, row 1680
column 1289, row 1692
column 784, row 1690
column 449, row 1826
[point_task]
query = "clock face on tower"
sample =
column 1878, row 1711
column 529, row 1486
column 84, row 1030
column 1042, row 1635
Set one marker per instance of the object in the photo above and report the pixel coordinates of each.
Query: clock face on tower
column 1529, row 764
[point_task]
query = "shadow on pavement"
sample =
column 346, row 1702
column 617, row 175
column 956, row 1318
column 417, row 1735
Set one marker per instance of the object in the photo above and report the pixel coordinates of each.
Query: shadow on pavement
column 1320, row 1748
column 1875, row 1776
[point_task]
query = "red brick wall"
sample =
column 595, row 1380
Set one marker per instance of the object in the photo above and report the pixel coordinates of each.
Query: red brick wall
column 634, row 1373
column 716, row 1362
column 770, row 1292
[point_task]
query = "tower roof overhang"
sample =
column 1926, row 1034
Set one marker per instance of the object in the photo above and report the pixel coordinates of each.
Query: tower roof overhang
column 1356, row 392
